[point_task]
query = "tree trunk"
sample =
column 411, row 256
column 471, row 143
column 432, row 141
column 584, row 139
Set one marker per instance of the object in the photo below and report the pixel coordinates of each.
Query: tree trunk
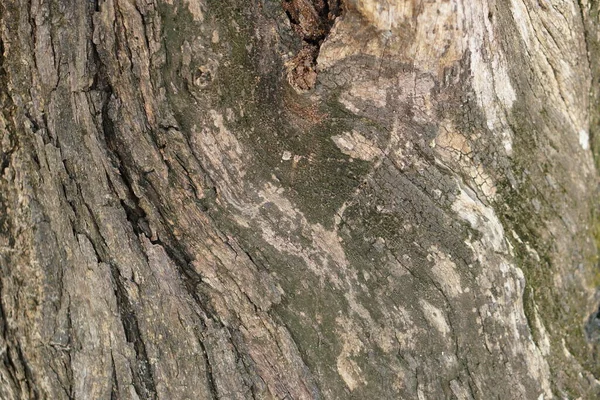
column 299, row 199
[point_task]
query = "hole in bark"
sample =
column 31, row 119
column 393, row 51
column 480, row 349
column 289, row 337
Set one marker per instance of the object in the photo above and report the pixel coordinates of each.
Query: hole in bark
column 202, row 77
column 312, row 20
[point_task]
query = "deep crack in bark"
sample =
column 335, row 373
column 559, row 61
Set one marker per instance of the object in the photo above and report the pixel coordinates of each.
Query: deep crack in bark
column 312, row 20
column 143, row 381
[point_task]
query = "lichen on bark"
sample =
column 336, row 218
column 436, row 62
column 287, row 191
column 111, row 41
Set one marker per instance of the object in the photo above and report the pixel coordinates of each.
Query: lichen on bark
column 298, row 199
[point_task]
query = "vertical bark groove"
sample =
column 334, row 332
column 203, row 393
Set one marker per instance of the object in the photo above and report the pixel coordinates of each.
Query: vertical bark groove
column 142, row 376
column 191, row 211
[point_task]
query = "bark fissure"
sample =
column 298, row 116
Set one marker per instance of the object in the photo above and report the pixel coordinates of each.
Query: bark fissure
column 138, row 219
column 4, row 161
column 66, row 389
column 114, row 391
column 585, row 20
column 212, row 384
column 139, row 222
column 27, row 380
column 451, row 169
column 143, row 380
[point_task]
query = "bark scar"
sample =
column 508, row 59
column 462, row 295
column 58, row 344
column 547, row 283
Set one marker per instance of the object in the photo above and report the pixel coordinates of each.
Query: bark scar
column 312, row 20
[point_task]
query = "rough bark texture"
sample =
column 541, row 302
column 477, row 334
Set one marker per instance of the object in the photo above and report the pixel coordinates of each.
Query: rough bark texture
column 299, row 199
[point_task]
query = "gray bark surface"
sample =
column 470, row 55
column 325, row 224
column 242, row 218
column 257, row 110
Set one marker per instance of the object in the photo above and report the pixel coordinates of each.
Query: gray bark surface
column 299, row 199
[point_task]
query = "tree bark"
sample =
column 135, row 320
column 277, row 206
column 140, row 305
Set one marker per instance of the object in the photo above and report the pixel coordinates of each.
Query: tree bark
column 299, row 199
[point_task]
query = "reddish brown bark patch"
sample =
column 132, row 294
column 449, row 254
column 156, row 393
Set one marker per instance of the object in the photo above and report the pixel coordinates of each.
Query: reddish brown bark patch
column 312, row 20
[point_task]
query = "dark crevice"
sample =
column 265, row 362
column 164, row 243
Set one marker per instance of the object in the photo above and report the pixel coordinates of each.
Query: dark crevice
column 312, row 20
column 135, row 213
column 144, row 24
column 34, row 26
column 143, row 381
column 179, row 255
column 592, row 328
column 6, row 102
column 244, row 359
column 188, row 176
column 9, row 367
column 114, row 393
column 293, row 20
column 68, row 199
column 212, row 387
column 28, row 381
column 11, row 356
column 586, row 31
column 190, row 278
column 4, row 161
column 137, row 216
column 66, row 388
column 133, row 180
column 3, row 324
column 69, row 365
column 471, row 381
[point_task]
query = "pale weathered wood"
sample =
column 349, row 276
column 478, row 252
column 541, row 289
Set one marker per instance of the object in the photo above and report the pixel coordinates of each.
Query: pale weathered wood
column 299, row 199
